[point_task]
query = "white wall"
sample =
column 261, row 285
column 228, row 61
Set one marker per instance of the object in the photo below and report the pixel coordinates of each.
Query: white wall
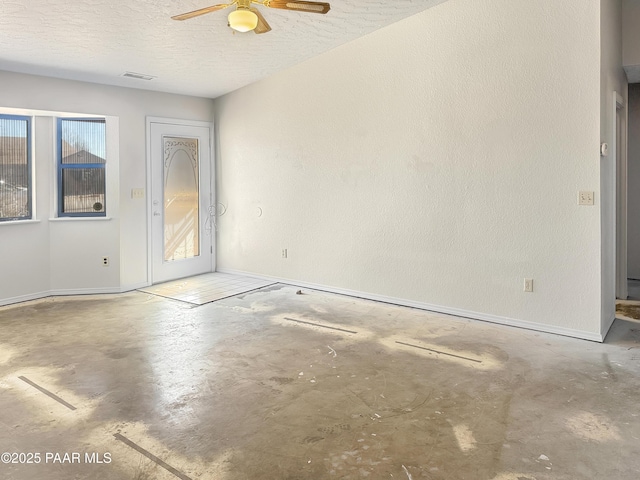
column 64, row 256
column 633, row 237
column 631, row 32
column 613, row 79
column 437, row 161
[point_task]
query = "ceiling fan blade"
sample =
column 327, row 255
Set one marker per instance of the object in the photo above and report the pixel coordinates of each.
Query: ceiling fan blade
column 202, row 11
column 263, row 26
column 299, row 5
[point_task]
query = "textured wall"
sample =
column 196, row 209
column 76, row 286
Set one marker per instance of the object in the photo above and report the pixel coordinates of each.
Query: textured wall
column 631, row 32
column 633, row 237
column 437, row 160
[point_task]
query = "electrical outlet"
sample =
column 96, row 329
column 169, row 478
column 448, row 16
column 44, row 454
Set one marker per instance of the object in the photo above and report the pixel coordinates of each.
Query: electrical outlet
column 528, row 284
column 105, row 261
column 284, row 253
column 585, row 198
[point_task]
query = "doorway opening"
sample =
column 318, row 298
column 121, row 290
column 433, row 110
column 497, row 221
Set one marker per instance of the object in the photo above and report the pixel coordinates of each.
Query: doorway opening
column 619, row 152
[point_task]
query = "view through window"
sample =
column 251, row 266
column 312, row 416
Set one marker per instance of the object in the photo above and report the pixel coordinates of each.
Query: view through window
column 81, row 167
column 15, row 168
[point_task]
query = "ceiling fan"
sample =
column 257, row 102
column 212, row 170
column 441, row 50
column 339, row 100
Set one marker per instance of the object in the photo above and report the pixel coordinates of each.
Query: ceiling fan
column 246, row 18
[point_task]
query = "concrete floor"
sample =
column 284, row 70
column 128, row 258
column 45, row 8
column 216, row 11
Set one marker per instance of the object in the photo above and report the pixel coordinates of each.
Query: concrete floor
column 250, row 388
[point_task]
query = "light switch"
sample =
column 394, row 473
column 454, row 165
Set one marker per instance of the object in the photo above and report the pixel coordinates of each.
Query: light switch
column 585, row 198
column 137, row 193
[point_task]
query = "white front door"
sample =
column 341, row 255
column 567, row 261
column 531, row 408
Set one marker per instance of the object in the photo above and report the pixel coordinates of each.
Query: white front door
column 181, row 197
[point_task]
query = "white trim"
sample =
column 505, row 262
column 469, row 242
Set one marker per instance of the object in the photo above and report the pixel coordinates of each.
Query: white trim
column 214, row 178
column 19, row 222
column 83, row 291
column 22, row 298
column 53, row 173
column 80, row 219
column 74, row 291
column 621, row 180
column 512, row 322
column 178, row 121
column 31, row 112
column 149, row 199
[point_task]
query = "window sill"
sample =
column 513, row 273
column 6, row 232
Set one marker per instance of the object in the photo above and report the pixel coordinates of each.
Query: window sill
column 80, row 219
column 19, row 222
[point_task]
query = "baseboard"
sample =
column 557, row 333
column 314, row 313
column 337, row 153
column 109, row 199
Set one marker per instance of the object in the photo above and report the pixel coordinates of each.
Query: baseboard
column 539, row 327
column 72, row 291
column 23, row 298
column 512, row 322
column 83, row 291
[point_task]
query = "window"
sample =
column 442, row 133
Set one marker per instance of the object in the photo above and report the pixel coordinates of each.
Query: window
column 15, row 168
column 81, row 167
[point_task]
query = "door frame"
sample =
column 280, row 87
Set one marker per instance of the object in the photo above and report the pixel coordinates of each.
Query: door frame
column 619, row 153
column 149, row 184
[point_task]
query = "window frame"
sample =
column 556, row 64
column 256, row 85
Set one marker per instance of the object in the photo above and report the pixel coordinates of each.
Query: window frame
column 30, row 202
column 63, row 166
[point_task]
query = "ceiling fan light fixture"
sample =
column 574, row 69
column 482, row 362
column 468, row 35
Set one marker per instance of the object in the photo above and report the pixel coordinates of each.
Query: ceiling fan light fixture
column 243, row 20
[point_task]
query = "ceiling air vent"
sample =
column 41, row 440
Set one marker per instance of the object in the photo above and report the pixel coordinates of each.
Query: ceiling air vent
column 138, row 76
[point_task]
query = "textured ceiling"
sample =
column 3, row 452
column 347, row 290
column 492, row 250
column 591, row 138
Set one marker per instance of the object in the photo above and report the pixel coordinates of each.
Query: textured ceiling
column 98, row 40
